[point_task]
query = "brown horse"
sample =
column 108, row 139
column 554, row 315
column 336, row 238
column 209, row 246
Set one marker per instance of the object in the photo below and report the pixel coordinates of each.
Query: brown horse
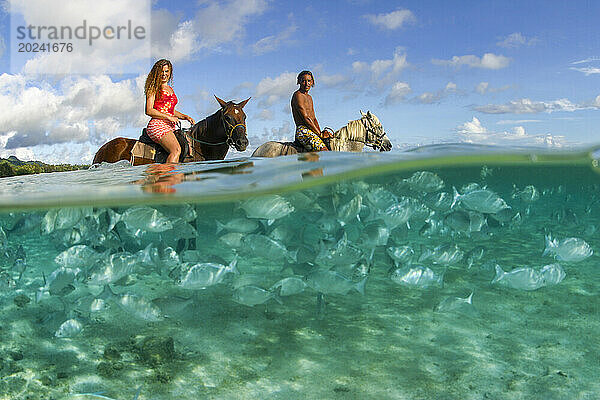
column 210, row 138
column 366, row 131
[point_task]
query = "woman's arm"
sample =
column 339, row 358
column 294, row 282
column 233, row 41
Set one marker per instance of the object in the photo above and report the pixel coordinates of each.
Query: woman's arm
column 183, row 116
column 154, row 113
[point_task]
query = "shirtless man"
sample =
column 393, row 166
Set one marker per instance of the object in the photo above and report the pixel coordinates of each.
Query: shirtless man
column 308, row 132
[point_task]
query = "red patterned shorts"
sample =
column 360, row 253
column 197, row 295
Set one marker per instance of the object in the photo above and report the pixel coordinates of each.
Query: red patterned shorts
column 310, row 140
column 157, row 128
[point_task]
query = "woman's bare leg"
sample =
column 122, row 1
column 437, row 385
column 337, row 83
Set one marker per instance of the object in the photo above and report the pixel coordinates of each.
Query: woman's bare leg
column 169, row 143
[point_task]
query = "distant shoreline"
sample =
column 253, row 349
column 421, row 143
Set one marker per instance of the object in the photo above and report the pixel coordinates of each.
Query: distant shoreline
column 12, row 166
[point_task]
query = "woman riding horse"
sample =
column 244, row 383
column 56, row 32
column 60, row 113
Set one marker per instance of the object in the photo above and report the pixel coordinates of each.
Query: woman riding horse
column 160, row 106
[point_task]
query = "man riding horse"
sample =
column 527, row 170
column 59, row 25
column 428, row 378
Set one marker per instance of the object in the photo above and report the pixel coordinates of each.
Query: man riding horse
column 308, row 132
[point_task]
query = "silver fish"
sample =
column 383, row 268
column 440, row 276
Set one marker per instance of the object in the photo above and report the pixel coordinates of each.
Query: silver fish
column 233, row 239
column 381, row 198
column 458, row 305
column 375, row 233
column 60, row 278
column 239, row 225
column 69, row 329
column 520, row 278
column 553, row 274
column 528, row 194
column 481, row 200
column 424, row 181
column 289, row 286
column 417, row 276
column 446, row 254
column 332, row 282
column 143, row 218
column 186, row 212
column 270, row 207
column 343, row 253
column 252, row 295
column 569, row 249
column 348, row 212
column 134, row 305
column 116, row 267
column 79, row 256
column 266, row 247
column 203, row 275
column 401, row 254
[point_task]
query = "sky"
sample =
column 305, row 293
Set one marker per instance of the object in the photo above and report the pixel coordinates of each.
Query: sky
column 475, row 71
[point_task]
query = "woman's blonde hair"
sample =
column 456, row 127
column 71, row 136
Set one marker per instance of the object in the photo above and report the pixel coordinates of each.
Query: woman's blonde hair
column 153, row 80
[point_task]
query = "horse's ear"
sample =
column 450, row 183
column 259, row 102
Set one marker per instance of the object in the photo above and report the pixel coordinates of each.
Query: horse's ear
column 221, row 102
column 243, row 103
column 369, row 114
column 362, row 113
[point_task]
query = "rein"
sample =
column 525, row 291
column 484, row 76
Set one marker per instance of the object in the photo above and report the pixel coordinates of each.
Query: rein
column 228, row 141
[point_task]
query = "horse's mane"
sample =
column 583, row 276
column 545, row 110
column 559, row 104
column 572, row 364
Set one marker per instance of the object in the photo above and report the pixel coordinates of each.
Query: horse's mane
column 353, row 131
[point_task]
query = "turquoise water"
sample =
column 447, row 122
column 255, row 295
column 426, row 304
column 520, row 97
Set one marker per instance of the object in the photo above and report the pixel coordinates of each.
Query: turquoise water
column 340, row 275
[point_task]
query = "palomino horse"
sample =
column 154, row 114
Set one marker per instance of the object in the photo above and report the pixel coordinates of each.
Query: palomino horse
column 211, row 138
column 366, row 131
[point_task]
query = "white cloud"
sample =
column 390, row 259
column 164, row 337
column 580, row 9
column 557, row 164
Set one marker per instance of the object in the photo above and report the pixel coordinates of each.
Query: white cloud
column 472, row 127
column 398, row 93
column 527, row 106
column 517, row 121
column 488, row 61
column 474, row 132
column 266, row 115
column 381, row 73
column 81, row 109
column 219, row 22
column 104, row 56
column 451, row 87
column 484, row 87
column 587, row 70
column 587, row 60
column 515, row 40
column 271, row 43
column 393, row 20
column 272, row 90
column 434, row 97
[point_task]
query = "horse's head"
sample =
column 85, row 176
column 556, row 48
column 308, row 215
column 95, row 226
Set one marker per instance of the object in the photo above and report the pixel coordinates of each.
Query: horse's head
column 234, row 123
column 376, row 136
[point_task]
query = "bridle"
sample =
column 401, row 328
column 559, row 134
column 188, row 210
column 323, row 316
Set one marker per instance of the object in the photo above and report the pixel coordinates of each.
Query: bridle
column 228, row 132
column 372, row 132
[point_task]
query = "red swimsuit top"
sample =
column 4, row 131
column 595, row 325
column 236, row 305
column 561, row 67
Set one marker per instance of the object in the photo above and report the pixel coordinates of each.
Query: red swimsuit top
column 166, row 103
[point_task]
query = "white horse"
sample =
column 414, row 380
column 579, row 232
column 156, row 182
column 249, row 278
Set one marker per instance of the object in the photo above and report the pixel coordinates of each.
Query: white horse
column 366, row 131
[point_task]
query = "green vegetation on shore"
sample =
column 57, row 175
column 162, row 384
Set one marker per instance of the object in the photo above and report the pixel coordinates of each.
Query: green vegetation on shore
column 12, row 166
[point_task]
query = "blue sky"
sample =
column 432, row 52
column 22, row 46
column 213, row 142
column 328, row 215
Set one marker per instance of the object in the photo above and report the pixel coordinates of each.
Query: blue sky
column 491, row 72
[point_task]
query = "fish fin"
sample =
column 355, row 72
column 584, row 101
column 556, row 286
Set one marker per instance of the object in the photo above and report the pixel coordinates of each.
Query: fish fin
column 360, row 286
column 294, row 255
column 277, row 298
column 499, row 274
column 137, row 394
column 232, row 267
column 107, row 293
column 455, row 197
column 425, row 254
column 220, row 227
column 550, row 244
column 470, row 298
column 113, row 217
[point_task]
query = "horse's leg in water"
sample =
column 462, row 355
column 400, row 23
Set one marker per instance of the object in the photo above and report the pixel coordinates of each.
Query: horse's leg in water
column 169, row 143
